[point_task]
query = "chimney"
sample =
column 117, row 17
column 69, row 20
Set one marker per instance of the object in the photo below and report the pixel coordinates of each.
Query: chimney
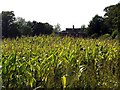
column 73, row 27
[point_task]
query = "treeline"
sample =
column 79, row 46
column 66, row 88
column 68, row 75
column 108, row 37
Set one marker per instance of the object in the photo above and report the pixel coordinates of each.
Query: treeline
column 109, row 25
column 13, row 27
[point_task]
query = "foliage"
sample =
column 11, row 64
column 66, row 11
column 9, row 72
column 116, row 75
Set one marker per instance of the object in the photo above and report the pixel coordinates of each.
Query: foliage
column 83, row 28
column 105, row 36
column 112, row 17
column 25, row 28
column 110, row 23
column 60, row 62
column 57, row 28
column 13, row 27
column 8, row 26
column 97, row 26
column 41, row 28
column 114, row 34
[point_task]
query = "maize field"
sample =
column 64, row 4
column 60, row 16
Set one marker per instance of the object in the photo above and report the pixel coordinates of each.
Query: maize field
column 60, row 62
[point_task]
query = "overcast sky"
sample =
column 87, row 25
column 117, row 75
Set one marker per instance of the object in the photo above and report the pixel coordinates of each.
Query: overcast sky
column 64, row 12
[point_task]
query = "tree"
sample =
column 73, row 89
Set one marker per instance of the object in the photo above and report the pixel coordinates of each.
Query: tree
column 24, row 27
column 112, row 18
column 97, row 26
column 37, row 28
column 83, row 28
column 13, row 27
column 9, row 27
column 57, row 28
column 8, row 19
column 42, row 28
column 48, row 28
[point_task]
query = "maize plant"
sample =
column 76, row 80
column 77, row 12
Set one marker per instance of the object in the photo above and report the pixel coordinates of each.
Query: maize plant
column 60, row 62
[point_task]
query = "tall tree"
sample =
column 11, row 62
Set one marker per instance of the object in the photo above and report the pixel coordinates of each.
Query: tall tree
column 8, row 19
column 112, row 18
column 96, row 26
column 9, row 27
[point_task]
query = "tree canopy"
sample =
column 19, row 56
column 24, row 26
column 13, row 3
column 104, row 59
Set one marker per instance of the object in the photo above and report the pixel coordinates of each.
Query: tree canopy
column 109, row 24
column 12, row 26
